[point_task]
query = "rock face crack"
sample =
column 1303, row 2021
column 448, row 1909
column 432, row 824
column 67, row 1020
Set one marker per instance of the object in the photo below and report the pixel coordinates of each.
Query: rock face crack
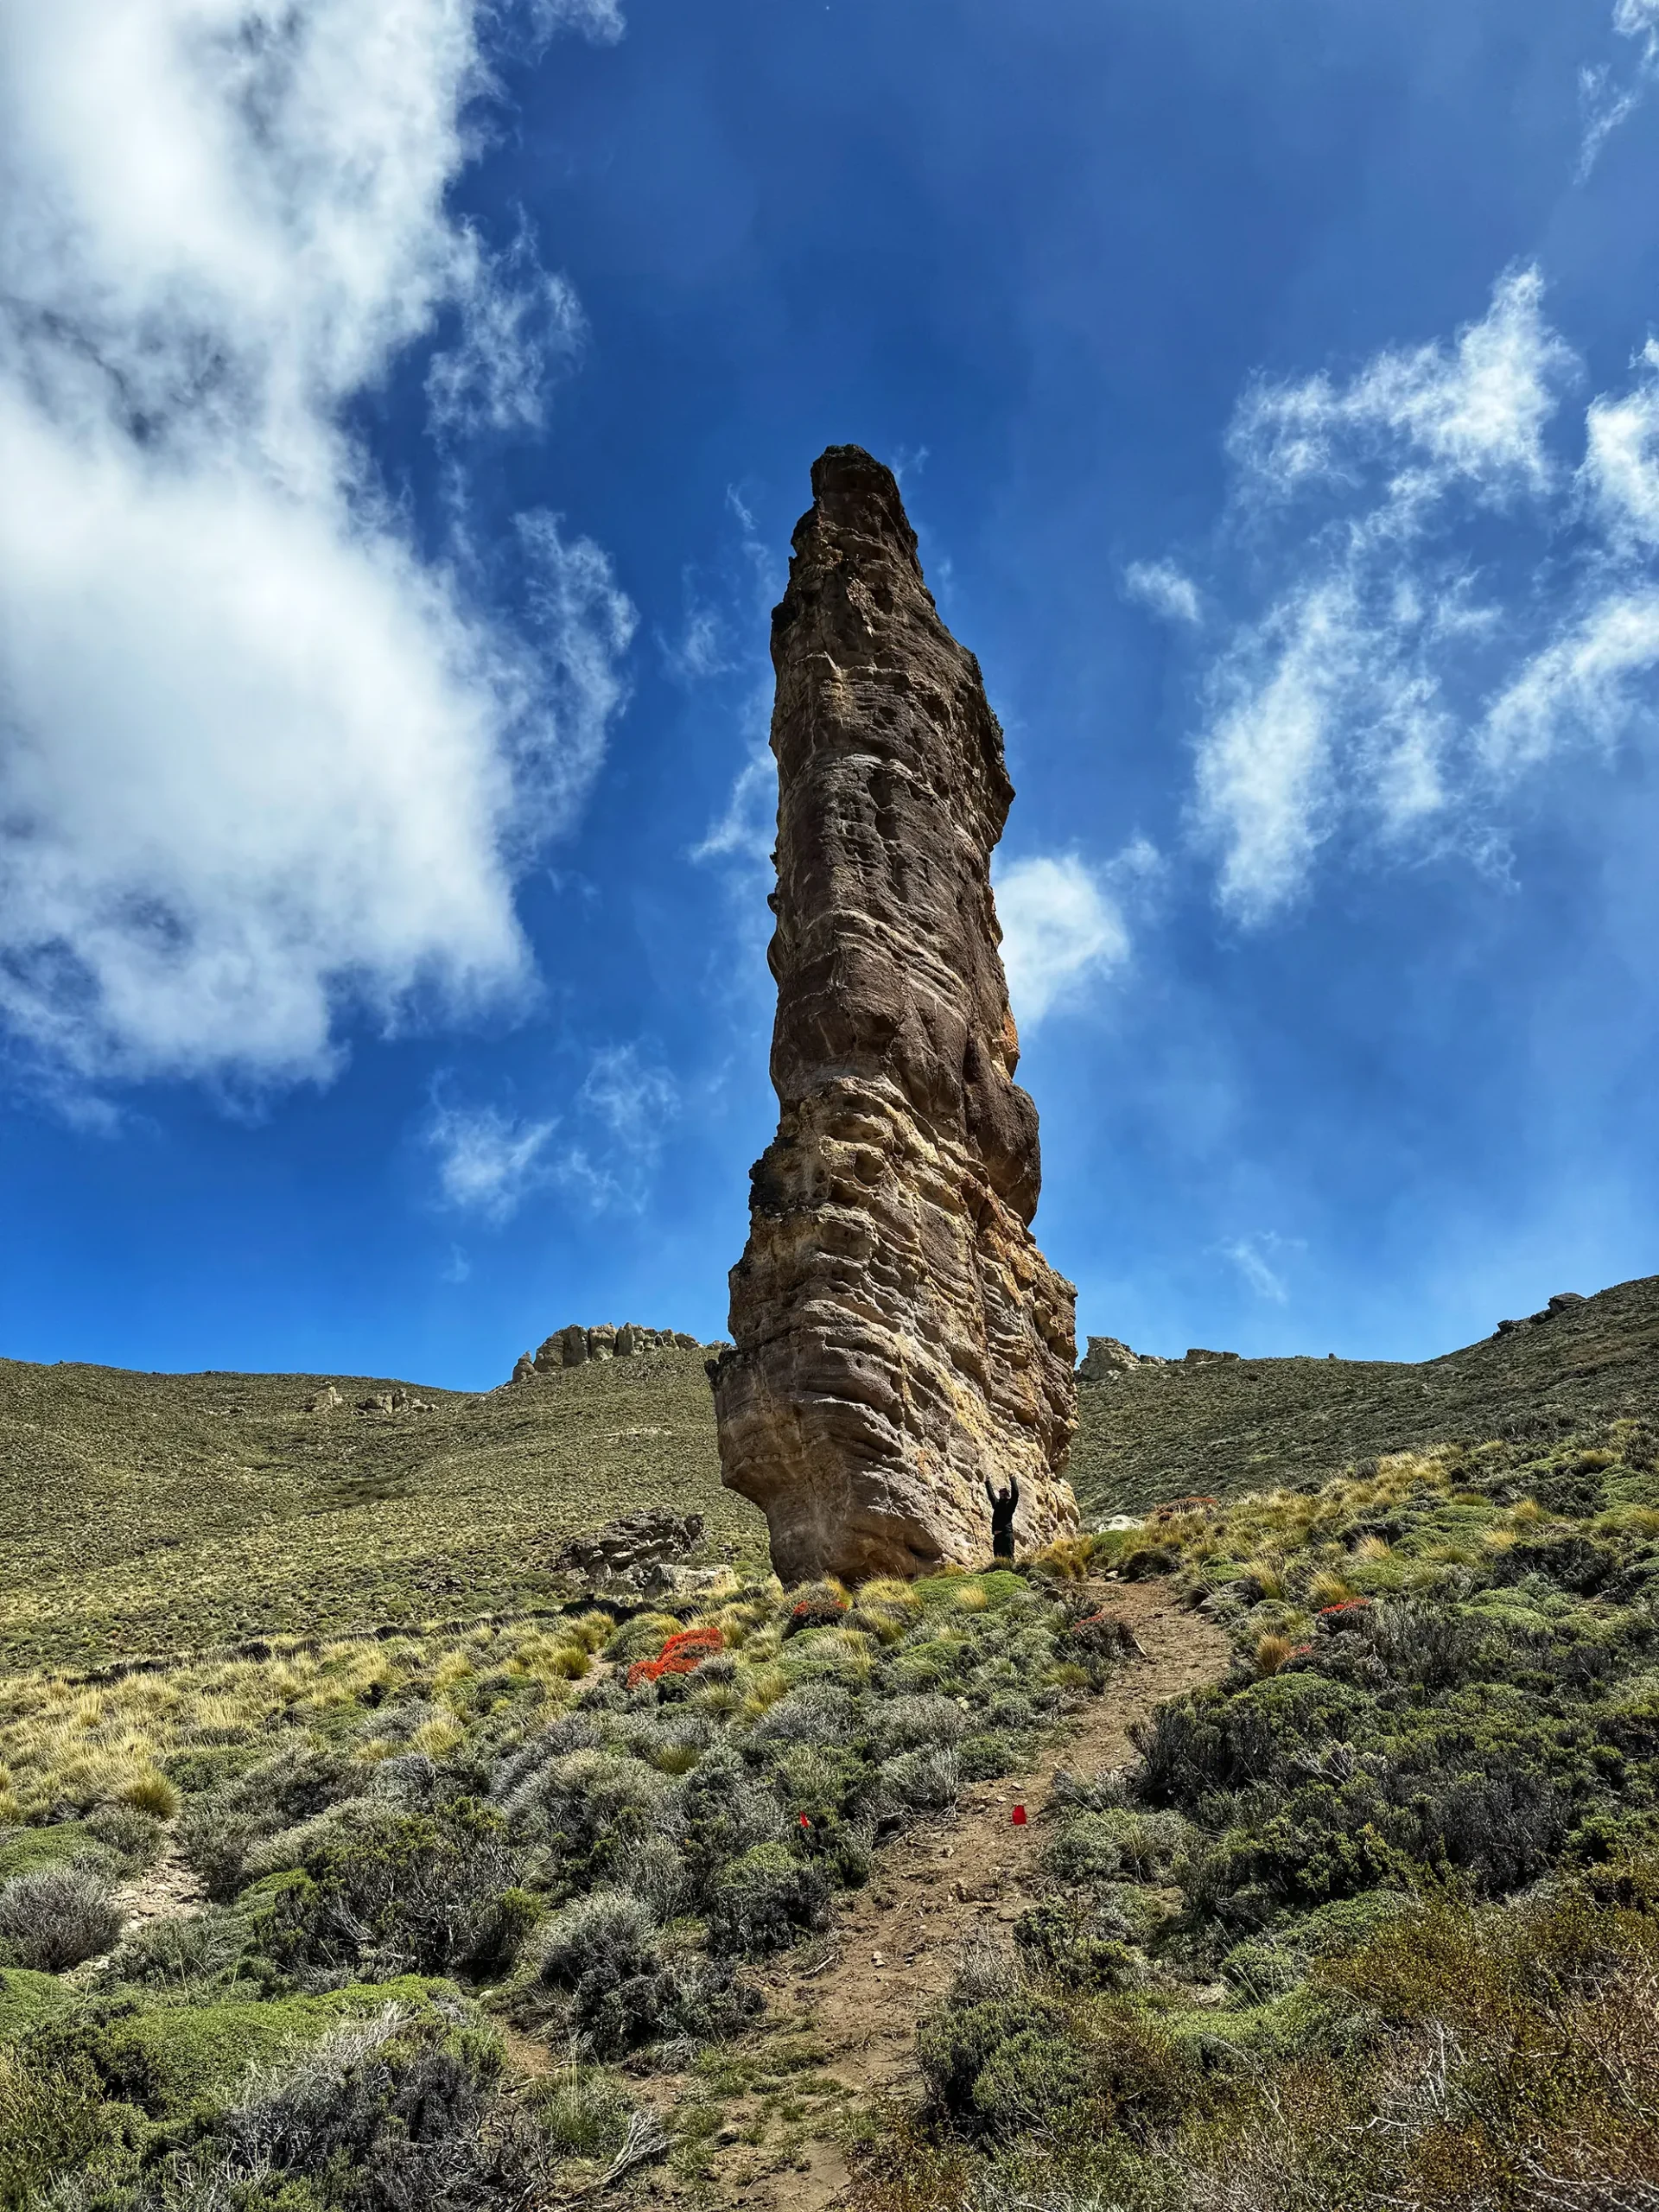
column 900, row 1342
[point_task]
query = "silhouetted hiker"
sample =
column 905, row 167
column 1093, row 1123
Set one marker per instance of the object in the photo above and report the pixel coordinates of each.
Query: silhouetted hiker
column 1003, row 1503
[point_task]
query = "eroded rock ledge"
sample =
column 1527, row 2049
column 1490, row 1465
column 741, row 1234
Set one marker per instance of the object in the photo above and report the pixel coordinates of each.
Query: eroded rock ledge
column 899, row 1339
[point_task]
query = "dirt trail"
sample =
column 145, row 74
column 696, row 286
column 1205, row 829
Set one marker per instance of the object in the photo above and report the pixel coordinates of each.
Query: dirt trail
column 859, row 1996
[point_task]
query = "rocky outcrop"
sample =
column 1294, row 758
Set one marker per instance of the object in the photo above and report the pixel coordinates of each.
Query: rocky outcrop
column 900, row 1342
column 1563, row 1302
column 575, row 1346
column 638, row 1548
column 1107, row 1358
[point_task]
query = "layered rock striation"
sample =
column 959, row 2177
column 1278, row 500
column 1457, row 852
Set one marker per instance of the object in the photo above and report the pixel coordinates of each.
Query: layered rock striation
column 902, row 1349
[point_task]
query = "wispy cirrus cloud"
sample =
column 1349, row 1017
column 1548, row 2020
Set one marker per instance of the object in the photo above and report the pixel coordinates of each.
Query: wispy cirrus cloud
column 1260, row 1260
column 601, row 1151
column 488, row 1161
column 1609, row 95
column 1456, row 592
column 1164, row 588
column 262, row 760
column 742, row 835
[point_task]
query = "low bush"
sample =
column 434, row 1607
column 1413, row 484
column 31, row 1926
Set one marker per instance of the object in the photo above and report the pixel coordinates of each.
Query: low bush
column 922, row 1781
column 386, row 2115
column 57, row 1916
column 765, row 1900
column 376, row 1890
column 605, row 1952
column 1089, row 1848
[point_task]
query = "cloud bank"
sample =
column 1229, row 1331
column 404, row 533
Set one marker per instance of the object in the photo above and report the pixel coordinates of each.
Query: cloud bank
column 1458, row 592
column 261, row 761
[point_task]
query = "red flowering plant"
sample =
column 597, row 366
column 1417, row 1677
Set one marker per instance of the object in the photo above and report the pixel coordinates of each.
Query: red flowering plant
column 681, row 1654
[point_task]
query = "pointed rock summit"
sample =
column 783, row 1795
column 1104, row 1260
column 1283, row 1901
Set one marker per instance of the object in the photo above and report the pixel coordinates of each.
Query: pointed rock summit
column 902, row 1348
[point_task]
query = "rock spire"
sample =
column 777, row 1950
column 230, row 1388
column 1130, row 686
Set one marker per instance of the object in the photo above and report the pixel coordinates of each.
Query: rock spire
column 900, row 1342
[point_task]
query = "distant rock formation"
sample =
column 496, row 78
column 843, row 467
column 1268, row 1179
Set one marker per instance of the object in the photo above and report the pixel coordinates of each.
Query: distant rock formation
column 395, row 1401
column 900, row 1342
column 1563, row 1302
column 575, row 1346
column 1107, row 1358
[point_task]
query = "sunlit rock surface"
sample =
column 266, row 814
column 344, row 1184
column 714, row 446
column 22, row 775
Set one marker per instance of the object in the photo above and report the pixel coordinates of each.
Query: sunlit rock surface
column 900, row 1342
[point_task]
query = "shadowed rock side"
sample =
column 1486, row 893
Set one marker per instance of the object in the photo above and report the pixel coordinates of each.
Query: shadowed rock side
column 899, row 1339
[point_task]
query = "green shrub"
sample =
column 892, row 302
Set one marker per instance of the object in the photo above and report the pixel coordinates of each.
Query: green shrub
column 584, row 2111
column 603, row 1950
column 218, row 1831
column 391, row 2114
column 189, row 1951
column 1079, row 1945
column 916, row 1723
column 922, row 1781
column 987, row 1756
column 54, row 2124
column 379, row 1892
column 765, row 1900
column 131, row 1837
column 1093, row 1847
column 955, row 2043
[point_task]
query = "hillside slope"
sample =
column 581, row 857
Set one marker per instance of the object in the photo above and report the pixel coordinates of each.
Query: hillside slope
column 147, row 1513
column 1225, row 1427
column 163, row 1512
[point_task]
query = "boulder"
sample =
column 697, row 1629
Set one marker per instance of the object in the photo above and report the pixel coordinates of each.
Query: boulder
column 638, row 1549
column 601, row 1342
column 525, row 1369
column 324, row 1401
column 900, row 1342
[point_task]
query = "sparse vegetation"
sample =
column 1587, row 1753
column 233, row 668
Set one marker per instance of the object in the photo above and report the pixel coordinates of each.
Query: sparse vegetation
column 1373, row 1921
column 596, row 1852
column 150, row 1514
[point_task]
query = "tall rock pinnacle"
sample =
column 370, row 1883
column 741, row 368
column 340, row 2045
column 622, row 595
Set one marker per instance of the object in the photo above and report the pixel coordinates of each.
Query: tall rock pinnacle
column 900, row 1342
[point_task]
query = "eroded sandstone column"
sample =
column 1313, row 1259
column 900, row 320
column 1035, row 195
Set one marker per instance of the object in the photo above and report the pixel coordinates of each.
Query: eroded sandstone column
column 899, row 1339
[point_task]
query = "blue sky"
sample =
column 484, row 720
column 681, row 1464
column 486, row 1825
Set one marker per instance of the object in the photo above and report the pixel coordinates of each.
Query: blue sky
column 405, row 408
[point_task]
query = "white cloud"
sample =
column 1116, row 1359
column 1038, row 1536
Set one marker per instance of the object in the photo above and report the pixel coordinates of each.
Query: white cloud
column 633, row 1099
column 1448, row 602
column 516, row 323
column 259, row 759
column 1063, row 924
column 1436, row 418
column 598, row 19
column 746, row 828
column 1164, row 588
column 488, row 1161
